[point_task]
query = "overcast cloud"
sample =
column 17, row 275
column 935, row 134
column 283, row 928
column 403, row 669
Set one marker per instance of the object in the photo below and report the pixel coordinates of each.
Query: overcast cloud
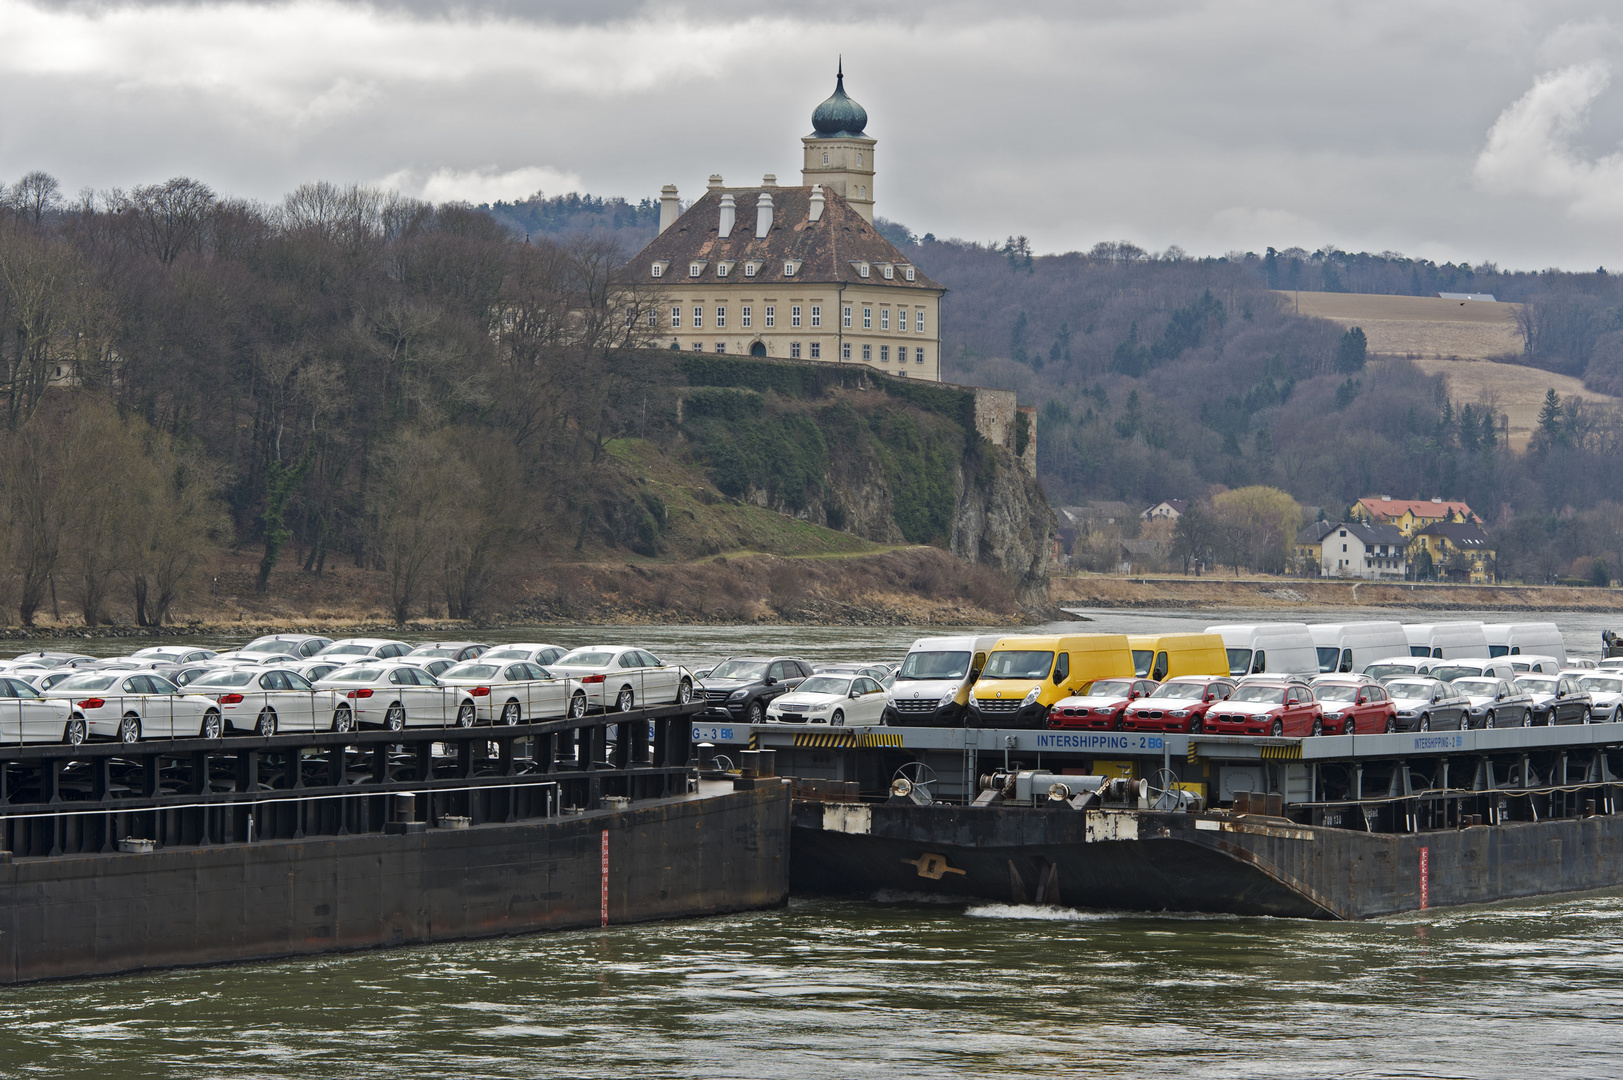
column 1456, row 129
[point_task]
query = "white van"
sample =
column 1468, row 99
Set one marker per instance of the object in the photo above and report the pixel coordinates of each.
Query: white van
column 1534, row 664
column 932, row 685
column 1446, row 640
column 1269, row 648
column 1515, row 638
column 1347, row 647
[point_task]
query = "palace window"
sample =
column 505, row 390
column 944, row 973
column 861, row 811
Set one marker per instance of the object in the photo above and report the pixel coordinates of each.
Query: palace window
column 867, row 318
column 884, row 318
column 631, row 316
column 676, row 316
column 695, row 269
column 817, row 315
column 867, row 352
column 698, row 346
column 698, row 317
column 825, row 157
column 910, row 273
column 722, row 268
column 721, row 346
column 721, row 317
column 794, row 350
column 845, row 350
column 847, row 318
column 788, row 269
column 771, row 315
column 653, row 318
column 884, row 354
column 749, row 269
column 863, row 270
column 918, row 320
column 918, row 356
column 659, row 269
column 890, row 273
column 817, row 350
column 794, row 315
column 746, row 316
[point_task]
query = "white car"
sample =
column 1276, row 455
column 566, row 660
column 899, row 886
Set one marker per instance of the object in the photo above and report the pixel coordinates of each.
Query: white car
column 517, row 692
column 315, row 669
column 295, row 646
column 353, row 649
column 50, row 659
column 534, row 652
column 625, row 676
column 266, row 702
column 26, row 717
column 173, row 654
column 390, row 694
column 1582, row 662
column 132, row 705
column 450, row 650
column 41, row 680
column 830, row 699
column 1606, row 691
column 434, row 665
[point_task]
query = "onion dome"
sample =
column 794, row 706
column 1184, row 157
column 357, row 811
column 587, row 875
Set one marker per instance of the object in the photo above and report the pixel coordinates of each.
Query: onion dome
column 839, row 117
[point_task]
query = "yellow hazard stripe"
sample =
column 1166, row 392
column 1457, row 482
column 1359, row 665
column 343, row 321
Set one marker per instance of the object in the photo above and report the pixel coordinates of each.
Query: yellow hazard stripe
column 892, row 741
column 1282, row 753
column 833, row 741
column 755, row 740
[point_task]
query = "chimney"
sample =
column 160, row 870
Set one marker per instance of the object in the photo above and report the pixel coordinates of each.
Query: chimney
column 729, row 213
column 763, row 215
column 668, row 207
column 715, row 181
column 769, row 180
column 816, row 202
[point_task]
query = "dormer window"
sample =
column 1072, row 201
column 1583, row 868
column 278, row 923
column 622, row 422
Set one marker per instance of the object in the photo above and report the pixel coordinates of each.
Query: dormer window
column 723, row 269
column 790, row 267
column 910, row 273
column 890, row 272
column 659, row 268
column 750, row 268
column 695, row 269
column 862, row 269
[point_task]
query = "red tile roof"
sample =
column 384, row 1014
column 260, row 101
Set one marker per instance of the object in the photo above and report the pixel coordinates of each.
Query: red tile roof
column 1386, row 509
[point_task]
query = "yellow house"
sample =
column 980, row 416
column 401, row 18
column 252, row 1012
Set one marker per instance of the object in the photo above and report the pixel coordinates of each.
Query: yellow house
column 1410, row 515
column 1461, row 543
column 1309, row 546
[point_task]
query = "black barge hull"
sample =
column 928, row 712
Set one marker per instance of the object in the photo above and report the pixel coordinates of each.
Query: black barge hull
column 1137, row 860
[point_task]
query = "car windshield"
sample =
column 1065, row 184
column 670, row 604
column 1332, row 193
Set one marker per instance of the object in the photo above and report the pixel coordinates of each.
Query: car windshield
column 471, row 671
column 1536, row 685
column 225, row 678
column 1328, row 655
column 1335, row 692
column 1239, row 661
column 825, row 684
column 1179, row 690
column 1403, row 689
column 507, row 654
column 1602, row 686
column 742, row 670
column 1449, row 674
column 267, row 647
column 88, row 681
column 934, row 665
column 1477, row 687
column 1386, row 671
column 1271, row 695
column 356, row 675
column 1019, row 664
column 1111, row 688
column 438, row 650
column 586, row 658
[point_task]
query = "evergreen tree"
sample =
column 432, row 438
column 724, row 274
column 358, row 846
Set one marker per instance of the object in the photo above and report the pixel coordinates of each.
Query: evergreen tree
column 1352, row 352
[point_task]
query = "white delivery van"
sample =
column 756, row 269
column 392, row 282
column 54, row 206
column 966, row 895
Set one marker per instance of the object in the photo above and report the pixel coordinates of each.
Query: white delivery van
column 932, row 685
column 1271, row 648
column 1347, row 647
column 1515, row 638
column 1446, row 640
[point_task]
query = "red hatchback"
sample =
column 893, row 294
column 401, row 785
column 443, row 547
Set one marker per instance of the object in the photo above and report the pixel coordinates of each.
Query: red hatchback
column 1178, row 704
column 1098, row 707
column 1354, row 706
column 1266, row 707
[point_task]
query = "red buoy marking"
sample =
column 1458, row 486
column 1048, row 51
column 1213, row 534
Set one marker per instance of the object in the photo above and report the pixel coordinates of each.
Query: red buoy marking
column 605, row 910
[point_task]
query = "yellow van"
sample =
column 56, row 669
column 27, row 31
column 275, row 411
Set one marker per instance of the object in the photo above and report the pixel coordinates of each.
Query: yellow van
column 1025, row 675
column 1166, row 656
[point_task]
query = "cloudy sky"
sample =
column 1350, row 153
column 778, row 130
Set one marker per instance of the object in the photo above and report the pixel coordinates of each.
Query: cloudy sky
column 1479, row 130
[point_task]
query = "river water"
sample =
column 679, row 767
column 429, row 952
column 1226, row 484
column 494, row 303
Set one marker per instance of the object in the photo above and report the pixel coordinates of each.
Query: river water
column 887, row 987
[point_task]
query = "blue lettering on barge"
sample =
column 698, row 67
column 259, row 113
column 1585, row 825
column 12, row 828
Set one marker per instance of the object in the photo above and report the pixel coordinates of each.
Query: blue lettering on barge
column 1097, row 741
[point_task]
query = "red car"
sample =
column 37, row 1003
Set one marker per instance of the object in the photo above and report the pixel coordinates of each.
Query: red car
column 1266, row 707
column 1098, row 707
column 1178, row 704
column 1354, row 706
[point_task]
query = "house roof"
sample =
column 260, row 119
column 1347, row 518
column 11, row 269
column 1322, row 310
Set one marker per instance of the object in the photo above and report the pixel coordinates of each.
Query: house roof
column 1177, row 506
column 830, row 249
column 1387, row 508
column 1376, row 534
column 1462, row 534
column 1315, row 533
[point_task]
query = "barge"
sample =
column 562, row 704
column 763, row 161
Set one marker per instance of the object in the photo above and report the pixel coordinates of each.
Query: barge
column 1337, row 827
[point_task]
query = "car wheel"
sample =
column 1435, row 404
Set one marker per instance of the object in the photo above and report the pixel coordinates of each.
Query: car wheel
column 1278, row 728
column 1391, row 725
column 266, row 724
column 1589, row 716
column 465, row 716
column 74, row 734
column 1487, row 722
column 213, row 727
column 395, row 718
column 511, row 714
column 1349, row 728
column 838, row 719
column 129, row 729
column 1318, row 726
column 1527, row 718
column 577, row 706
column 1425, row 723
column 343, row 719
column 684, row 693
column 625, row 701
column 756, row 713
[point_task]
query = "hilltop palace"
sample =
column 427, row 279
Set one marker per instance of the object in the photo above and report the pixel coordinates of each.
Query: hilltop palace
column 797, row 273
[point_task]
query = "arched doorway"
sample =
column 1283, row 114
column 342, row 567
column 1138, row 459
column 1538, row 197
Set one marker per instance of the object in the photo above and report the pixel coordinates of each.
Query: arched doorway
column 758, row 349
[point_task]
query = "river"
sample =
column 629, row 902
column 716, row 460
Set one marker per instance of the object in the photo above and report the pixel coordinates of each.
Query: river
column 888, row 987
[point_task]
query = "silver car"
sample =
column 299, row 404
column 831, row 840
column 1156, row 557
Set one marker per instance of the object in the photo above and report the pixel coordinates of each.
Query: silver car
column 266, row 702
column 26, row 717
column 132, row 705
column 510, row 693
column 1606, row 692
column 625, row 676
column 534, row 652
column 389, row 694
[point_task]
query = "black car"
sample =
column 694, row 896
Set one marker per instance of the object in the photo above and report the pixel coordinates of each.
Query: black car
column 739, row 687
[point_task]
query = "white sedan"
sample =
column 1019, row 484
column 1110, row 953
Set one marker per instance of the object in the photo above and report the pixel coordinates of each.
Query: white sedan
column 173, row 654
column 354, row 649
column 627, row 677
column 515, row 692
column 830, row 699
column 389, row 694
column 534, row 652
column 266, row 702
column 26, row 717
column 129, row 706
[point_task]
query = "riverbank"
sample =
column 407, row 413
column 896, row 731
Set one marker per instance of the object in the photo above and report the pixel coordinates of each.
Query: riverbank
column 1102, row 591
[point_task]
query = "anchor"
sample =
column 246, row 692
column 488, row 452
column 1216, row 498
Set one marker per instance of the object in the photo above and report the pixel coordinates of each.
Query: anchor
column 932, row 866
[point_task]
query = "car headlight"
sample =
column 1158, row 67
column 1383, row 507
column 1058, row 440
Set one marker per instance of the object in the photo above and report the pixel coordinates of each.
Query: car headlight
column 1179, row 714
column 1031, row 696
column 947, row 699
column 819, row 708
column 1332, row 716
column 738, row 695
